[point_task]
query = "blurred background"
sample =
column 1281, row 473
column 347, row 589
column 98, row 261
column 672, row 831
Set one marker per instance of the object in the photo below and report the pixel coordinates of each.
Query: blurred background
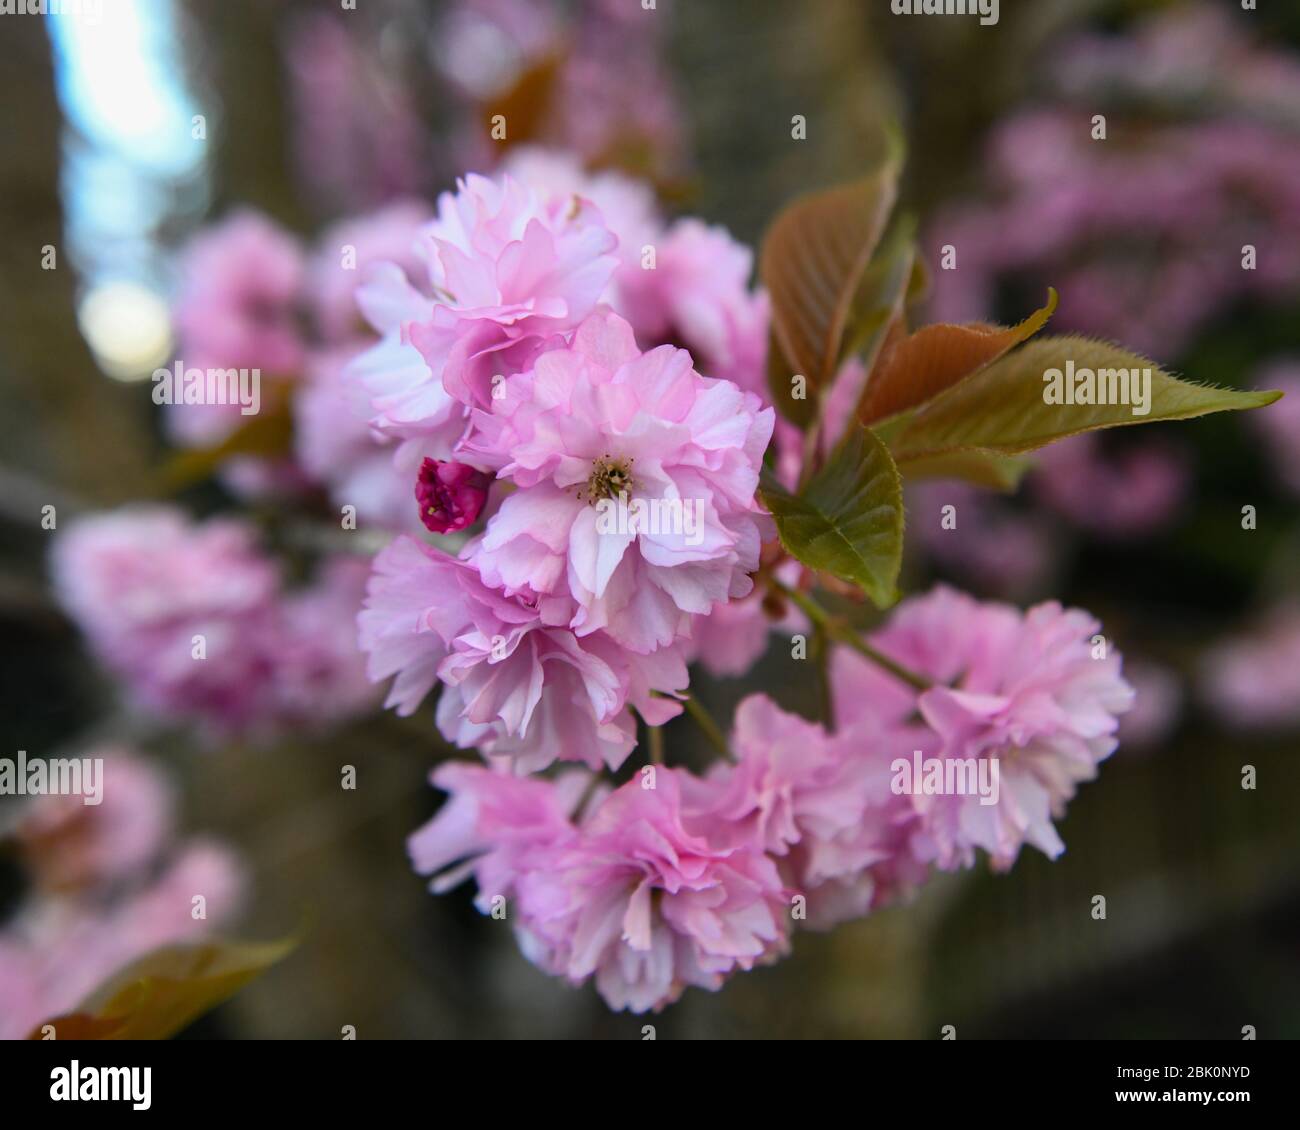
column 122, row 137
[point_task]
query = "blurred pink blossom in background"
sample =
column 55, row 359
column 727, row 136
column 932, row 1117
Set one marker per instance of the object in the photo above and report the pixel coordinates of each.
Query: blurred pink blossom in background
column 193, row 619
column 1128, row 491
column 1142, row 233
column 115, row 885
column 1279, row 427
column 358, row 138
column 237, row 306
column 1253, row 680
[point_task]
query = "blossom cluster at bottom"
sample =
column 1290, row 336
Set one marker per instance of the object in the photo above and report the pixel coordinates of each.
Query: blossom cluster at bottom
column 673, row 880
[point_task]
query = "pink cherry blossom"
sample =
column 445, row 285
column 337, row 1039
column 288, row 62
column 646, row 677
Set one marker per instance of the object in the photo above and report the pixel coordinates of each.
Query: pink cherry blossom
column 646, row 905
column 336, row 447
column 493, row 826
column 1252, row 680
column 629, row 891
column 517, row 683
column 597, row 429
column 694, row 292
column 627, row 206
column 345, row 252
column 109, row 883
column 193, row 619
column 730, row 639
column 57, row 951
column 392, row 371
column 820, row 803
column 310, row 645
column 734, row 636
column 1040, row 691
column 146, row 563
column 240, row 283
column 68, row 844
column 509, row 269
column 1158, row 702
column 698, row 294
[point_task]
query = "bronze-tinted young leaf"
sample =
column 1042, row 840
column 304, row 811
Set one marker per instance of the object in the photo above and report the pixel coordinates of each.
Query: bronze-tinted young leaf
column 849, row 519
column 1025, row 400
column 526, row 104
column 166, row 990
column 813, row 257
column 934, row 358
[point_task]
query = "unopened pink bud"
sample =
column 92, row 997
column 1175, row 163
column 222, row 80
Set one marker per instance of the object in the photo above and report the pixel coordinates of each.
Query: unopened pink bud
column 451, row 495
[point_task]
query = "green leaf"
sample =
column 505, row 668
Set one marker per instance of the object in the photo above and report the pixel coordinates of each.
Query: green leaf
column 1004, row 408
column 979, row 468
column 812, row 261
column 881, row 293
column 918, row 286
column 849, row 519
column 165, row 991
column 780, row 387
column 267, row 435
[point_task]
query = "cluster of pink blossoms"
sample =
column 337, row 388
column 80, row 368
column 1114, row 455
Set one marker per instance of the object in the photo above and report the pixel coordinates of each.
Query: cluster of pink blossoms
column 251, row 296
column 673, row 880
column 537, row 358
column 106, row 884
column 568, row 391
column 566, row 611
column 195, row 622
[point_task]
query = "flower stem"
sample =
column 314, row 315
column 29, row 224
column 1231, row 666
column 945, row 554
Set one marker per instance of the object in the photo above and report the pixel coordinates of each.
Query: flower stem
column 712, row 731
column 655, row 740
column 845, row 634
column 811, row 443
column 597, row 779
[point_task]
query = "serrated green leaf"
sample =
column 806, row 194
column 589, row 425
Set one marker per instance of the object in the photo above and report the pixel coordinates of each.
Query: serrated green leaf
column 1003, row 408
column 848, row 520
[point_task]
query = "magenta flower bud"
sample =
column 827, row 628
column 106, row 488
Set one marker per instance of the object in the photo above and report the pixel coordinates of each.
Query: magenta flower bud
column 451, row 495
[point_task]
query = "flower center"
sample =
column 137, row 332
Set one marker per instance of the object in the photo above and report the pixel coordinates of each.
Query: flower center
column 609, row 479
